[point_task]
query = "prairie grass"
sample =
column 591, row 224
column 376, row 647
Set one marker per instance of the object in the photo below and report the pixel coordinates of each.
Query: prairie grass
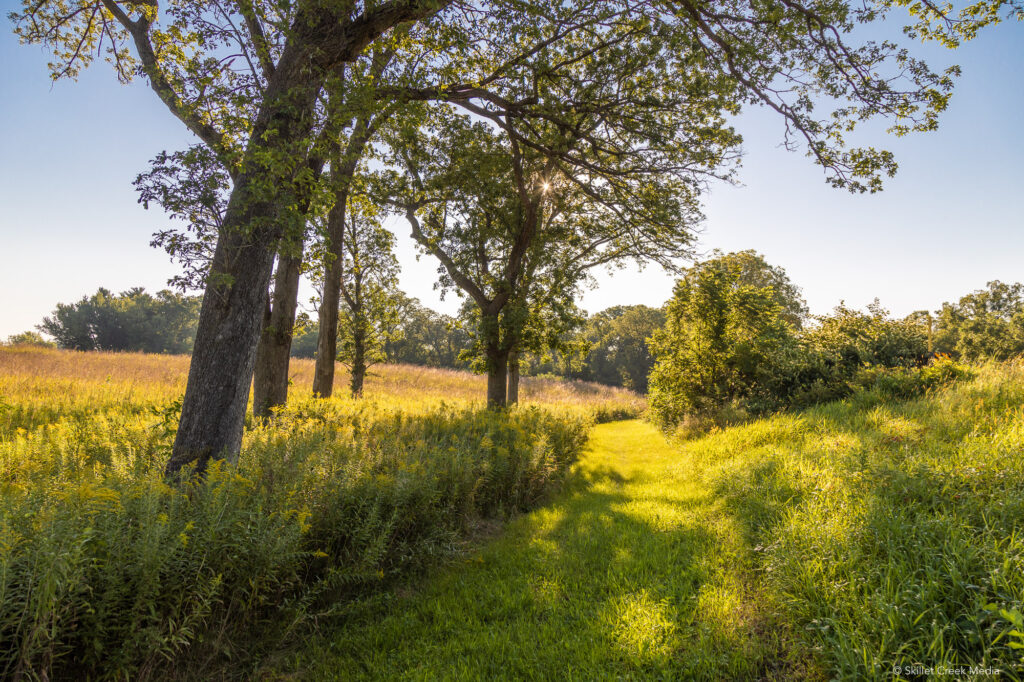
column 65, row 380
column 106, row 571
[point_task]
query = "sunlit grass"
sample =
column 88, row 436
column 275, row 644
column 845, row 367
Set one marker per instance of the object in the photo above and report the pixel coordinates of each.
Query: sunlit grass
column 46, row 384
column 835, row 543
column 635, row 573
column 107, row 571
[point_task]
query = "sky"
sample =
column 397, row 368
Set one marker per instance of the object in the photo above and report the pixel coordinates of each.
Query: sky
column 952, row 219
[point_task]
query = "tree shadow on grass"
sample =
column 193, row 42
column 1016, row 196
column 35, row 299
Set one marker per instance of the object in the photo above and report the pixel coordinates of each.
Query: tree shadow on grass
column 886, row 551
column 610, row 581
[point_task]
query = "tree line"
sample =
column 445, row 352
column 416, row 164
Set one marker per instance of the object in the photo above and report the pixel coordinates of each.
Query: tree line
column 738, row 340
column 525, row 144
column 619, row 346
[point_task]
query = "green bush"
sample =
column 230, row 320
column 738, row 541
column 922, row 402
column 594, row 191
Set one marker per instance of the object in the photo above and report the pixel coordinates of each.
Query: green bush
column 725, row 336
column 106, row 571
column 904, row 383
column 729, row 350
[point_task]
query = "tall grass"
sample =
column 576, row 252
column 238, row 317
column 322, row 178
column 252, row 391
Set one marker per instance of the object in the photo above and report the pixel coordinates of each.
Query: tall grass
column 107, row 571
column 60, row 379
column 886, row 535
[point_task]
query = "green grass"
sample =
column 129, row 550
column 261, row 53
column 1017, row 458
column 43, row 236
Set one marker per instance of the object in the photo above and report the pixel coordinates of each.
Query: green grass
column 835, row 543
column 109, row 572
column 636, row 572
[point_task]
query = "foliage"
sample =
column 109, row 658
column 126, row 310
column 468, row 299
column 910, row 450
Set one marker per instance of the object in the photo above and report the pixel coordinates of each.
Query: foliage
column 107, row 571
column 618, row 353
column 849, row 339
column 131, row 321
column 425, row 337
column 304, row 336
column 985, row 324
column 191, row 186
column 729, row 348
column 29, row 338
column 725, row 337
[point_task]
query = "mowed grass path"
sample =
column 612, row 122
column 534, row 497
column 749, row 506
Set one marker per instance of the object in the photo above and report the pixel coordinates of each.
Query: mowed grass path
column 633, row 572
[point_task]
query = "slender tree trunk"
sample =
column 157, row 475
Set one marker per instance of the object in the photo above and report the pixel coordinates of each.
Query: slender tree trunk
column 343, row 167
column 513, row 377
column 270, row 380
column 358, row 356
column 327, row 336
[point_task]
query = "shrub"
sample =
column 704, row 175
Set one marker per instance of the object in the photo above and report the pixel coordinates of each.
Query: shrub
column 722, row 343
column 904, row 383
column 728, row 350
column 106, row 571
column 30, row 339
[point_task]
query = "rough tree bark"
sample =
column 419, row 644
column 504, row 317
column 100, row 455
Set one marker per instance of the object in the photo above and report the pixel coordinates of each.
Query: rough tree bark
column 513, row 377
column 496, row 355
column 270, row 379
column 213, row 409
column 497, row 377
column 327, row 337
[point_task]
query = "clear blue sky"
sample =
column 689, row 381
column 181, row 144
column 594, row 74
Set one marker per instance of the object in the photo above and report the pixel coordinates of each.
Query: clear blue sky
column 952, row 219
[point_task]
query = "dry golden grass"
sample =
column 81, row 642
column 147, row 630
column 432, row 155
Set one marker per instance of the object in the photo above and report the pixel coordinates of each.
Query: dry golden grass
column 23, row 368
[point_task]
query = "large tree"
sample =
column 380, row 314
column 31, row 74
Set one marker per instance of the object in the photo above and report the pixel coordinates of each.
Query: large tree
column 627, row 110
column 209, row 61
column 618, row 352
column 130, row 321
column 283, row 54
column 988, row 323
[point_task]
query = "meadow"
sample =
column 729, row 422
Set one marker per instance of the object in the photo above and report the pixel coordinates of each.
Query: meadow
column 108, row 571
column 414, row 535
column 865, row 539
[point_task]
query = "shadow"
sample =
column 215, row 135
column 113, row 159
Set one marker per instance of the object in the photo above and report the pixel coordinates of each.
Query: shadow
column 614, row 579
column 889, row 528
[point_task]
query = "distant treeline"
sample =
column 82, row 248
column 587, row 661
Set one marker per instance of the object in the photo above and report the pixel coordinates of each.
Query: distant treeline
column 610, row 347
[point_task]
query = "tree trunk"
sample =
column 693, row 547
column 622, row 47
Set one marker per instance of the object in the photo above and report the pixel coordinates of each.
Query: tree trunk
column 213, row 409
column 343, row 167
column 327, row 336
column 497, row 375
column 358, row 358
column 270, row 381
column 513, row 377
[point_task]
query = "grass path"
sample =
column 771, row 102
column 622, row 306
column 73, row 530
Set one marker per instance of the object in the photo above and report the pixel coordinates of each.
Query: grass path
column 634, row 572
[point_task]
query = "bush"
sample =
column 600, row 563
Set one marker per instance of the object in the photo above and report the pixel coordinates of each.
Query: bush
column 106, row 571
column 30, row 339
column 728, row 350
column 723, row 342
